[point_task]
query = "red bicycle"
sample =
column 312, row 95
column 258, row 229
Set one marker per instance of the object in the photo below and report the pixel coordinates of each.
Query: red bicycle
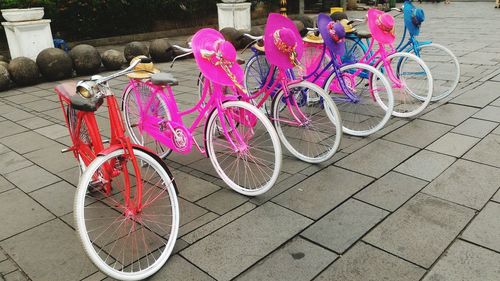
column 126, row 209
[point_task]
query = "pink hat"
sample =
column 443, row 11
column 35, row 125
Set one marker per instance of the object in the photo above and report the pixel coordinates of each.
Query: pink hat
column 216, row 57
column 381, row 26
column 282, row 41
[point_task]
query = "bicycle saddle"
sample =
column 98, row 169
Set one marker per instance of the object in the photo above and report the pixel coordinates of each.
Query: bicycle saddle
column 163, row 78
column 68, row 92
column 364, row 34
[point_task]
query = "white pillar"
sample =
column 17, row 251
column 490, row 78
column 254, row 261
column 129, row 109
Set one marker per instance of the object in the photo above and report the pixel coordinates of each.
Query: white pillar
column 235, row 15
column 301, row 7
column 28, row 38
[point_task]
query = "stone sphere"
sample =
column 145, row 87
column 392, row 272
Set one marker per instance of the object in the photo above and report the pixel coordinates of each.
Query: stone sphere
column 338, row 16
column 54, row 64
column 112, row 59
column 86, row 59
column 4, row 78
column 301, row 27
column 234, row 36
column 4, row 64
column 257, row 31
column 134, row 49
column 161, row 50
column 24, row 71
column 306, row 20
column 4, row 58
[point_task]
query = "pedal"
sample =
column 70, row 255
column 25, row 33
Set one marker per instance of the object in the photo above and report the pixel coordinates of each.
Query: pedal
column 105, row 141
column 68, row 149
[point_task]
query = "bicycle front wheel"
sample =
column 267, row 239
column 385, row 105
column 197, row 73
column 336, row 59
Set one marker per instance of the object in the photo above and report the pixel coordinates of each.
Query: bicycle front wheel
column 307, row 122
column 123, row 241
column 411, row 78
column 444, row 67
column 248, row 156
column 363, row 96
column 134, row 109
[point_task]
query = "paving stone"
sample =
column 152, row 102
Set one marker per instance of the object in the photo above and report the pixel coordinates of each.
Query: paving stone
column 419, row 133
column 222, row 201
column 31, row 178
column 218, row 223
column 426, row 165
column 178, row 269
column 16, row 276
column 421, row 229
column 496, row 131
column 484, row 230
column 487, row 151
column 475, row 127
column 24, row 213
column 278, row 188
column 98, row 276
column 293, row 165
column 377, row 158
column 53, row 131
column 496, row 197
column 342, row 227
column 52, row 160
column 27, row 142
column 451, row 114
column 42, row 105
column 322, row 192
column 235, row 247
column 34, row 122
column 192, row 188
column 196, row 223
column 296, row 260
column 453, row 144
column 5, row 185
column 71, row 175
column 189, row 211
column 8, row 128
column 12, row 161
column 364, row 262
column 58, row 197
column 496, row 102
column 4, row 149
column 6, row 267
column 391, row 191
column 17, row 115
column 490, row 113
column 60, row 249
column 464, row 261
column 480, row 96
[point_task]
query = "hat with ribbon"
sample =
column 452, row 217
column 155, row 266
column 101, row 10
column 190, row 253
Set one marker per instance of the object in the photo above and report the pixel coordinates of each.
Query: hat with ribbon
column 333, row 34
column 283, row 43
column 142, row 70
column 381, row 26
column 413, row 18
column 216, row 58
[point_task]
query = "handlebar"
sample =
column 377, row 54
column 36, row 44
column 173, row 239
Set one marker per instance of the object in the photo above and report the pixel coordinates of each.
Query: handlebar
column 186, row 51
column 254, row 38
column 101, row 80
column 314, row 29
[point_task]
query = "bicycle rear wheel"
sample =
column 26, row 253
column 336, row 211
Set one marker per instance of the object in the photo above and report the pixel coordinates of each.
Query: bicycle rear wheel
column 365, row 102
column 123, row 242
column 415, row 80
column 309, row 126
column 134, row 104
column 444, row 67
column 252, row 167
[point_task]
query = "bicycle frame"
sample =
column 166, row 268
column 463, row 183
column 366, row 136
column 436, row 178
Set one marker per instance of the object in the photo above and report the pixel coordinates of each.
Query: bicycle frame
column 270, row 87
column 86, row 153
column 171, row 130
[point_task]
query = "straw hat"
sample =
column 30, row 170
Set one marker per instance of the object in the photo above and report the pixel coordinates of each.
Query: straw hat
column 142, row 70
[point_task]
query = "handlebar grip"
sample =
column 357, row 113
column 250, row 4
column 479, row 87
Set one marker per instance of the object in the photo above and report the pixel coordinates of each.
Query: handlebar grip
column 146, row 60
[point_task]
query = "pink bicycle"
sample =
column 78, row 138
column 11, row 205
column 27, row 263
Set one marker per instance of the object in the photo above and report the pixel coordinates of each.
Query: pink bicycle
column 239, row 140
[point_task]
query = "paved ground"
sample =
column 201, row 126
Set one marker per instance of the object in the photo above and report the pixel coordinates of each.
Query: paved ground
column 417, row 201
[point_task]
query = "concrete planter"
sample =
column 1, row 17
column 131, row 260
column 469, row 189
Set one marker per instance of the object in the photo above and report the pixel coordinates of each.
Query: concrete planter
column 30, row 14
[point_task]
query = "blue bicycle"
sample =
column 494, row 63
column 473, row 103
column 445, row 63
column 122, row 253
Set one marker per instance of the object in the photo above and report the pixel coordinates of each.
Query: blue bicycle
column 443, row 64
